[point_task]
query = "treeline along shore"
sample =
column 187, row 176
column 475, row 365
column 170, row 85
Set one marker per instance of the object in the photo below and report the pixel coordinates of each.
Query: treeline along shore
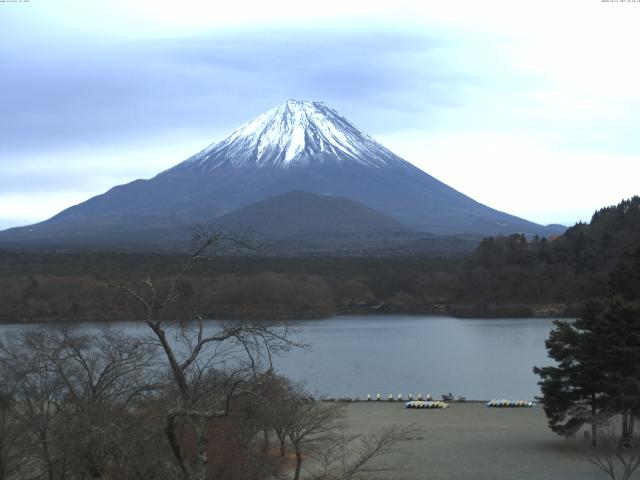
column 83, row 287
column 510, row 276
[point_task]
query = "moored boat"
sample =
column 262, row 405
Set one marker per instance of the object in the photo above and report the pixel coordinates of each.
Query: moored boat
column 502, row 403
column 426, row 404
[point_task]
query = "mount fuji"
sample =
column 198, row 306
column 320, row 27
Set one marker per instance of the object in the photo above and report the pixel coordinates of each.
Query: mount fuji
column 297, row 146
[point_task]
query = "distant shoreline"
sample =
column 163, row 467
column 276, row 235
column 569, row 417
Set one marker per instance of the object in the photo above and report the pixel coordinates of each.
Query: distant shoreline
column 465, row 313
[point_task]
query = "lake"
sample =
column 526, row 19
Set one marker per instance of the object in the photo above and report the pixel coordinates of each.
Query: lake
column 356, row 355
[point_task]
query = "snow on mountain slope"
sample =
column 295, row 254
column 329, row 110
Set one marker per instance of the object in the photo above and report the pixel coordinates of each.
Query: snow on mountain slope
column 296, row 146
column 292, row 134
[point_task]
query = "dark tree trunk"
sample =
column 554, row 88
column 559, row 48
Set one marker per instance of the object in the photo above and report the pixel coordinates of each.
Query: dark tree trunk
column 202, row 455
column 282, row 438
column 47, row 458
column 298, row 464
column 266, row 441
column 594, row 421
column 170, row 432
column 283, row 447
column 627, row 421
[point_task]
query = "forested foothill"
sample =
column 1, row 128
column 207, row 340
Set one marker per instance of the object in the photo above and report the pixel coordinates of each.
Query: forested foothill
column 505, row 276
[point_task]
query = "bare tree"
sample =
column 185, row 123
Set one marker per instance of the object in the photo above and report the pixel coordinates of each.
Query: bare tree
column 617, row 458
column 103, row 375
column 312, row 424
column 10, row 431
column 192, row 352
column 71, row 395
column 38, row 395
column 346, row 457
column 279, row 399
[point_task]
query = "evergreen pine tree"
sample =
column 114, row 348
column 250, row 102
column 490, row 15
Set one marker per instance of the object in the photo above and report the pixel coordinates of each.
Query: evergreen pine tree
column 618, row 332
column 598, row 359
column 573, row 391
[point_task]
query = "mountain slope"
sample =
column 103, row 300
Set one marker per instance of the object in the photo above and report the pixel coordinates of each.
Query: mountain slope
column 296, row 213
column 300, row 224
column 304, row 146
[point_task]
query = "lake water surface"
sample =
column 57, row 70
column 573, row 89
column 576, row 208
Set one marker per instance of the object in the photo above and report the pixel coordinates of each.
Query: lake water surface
column 355, row 355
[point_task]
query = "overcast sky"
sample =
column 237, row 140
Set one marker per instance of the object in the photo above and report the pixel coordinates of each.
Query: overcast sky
column 532, row 107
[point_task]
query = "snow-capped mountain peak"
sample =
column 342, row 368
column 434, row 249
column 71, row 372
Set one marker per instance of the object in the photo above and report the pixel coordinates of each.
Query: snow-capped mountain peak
column 295, row 133
column 303, row 147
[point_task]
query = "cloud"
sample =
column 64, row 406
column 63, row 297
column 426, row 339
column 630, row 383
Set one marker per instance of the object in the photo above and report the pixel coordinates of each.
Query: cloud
column 521, row 175
column 95, row 94
column 100, row 113
column 24, row 208
column 98, row 93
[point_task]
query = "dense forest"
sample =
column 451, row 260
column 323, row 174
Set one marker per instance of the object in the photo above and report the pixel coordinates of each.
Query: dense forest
column 504, row 276
column 569, row 269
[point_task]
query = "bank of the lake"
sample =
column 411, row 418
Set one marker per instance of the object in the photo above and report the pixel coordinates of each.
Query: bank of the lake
column 471, row 441
column 487, row 311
